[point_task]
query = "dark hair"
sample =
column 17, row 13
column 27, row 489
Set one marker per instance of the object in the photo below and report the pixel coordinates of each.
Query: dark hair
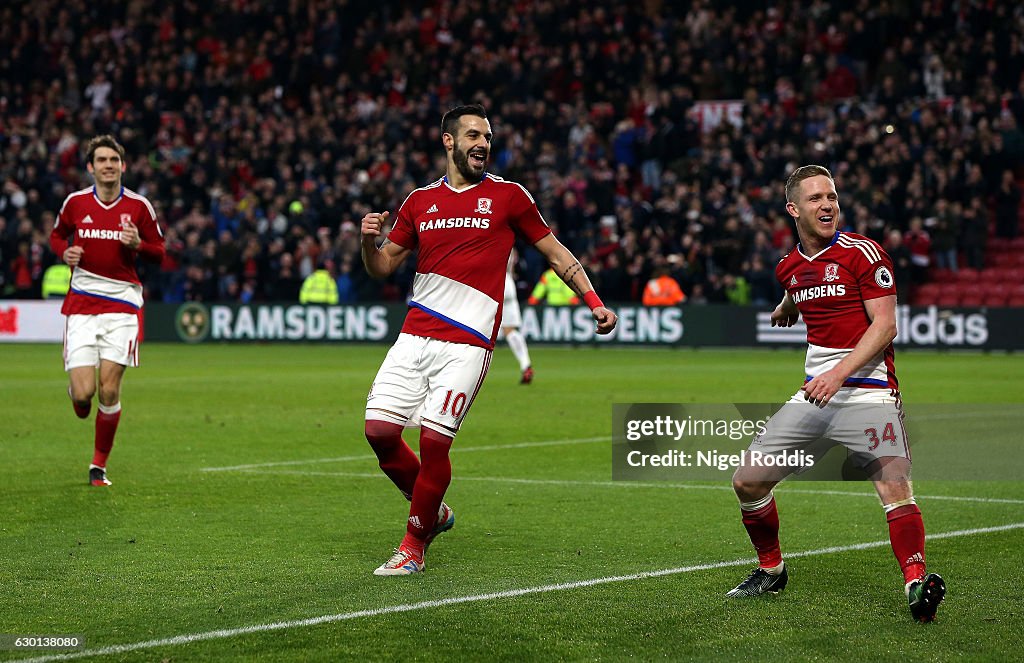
column 105, row 140
column 799, row 175
column 452, row 116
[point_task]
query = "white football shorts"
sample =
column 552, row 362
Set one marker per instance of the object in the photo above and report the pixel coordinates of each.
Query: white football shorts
column 511, row 316
column 430, row 380
column 870, row 430
column 110, row 336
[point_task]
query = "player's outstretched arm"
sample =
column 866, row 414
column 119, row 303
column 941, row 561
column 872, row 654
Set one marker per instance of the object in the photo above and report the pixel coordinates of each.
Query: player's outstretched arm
column 571, row 271
column 380, row 263
column 786, row 313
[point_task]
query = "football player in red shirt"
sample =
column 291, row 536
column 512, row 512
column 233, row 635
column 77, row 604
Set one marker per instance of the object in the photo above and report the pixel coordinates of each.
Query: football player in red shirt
column 99, row 232
column 842, row 283
column 463, row 227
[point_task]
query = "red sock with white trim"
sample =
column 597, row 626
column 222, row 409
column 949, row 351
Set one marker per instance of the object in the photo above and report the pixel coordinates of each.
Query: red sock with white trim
column 761, row 518
column 906, row 534
column 395, row 457
column 107, row 419
column 431, row 484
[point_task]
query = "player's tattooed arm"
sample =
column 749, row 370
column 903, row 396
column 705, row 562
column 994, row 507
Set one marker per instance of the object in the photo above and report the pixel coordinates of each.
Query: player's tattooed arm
column 565, row 264
column 569, row 276
column 571, row 271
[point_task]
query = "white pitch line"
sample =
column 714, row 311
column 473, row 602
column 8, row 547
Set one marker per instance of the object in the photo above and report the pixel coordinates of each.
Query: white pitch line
column 345, row 459
column 475, row 598
column 640, row 484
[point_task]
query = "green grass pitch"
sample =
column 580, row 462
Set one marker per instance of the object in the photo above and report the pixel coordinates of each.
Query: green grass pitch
column 274, row 561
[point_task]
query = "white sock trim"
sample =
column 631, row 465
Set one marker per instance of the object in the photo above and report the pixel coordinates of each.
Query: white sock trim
column 110, row 409
column 758, row 504
column 895, row 505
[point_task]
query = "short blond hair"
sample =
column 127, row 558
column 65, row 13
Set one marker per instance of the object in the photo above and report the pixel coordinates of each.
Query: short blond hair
column 799, row 175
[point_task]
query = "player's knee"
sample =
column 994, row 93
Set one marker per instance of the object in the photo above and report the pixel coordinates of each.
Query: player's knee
column 110, row 394
column 82, row 394
column 434, row 445
column 382, row 435
column 747, row 490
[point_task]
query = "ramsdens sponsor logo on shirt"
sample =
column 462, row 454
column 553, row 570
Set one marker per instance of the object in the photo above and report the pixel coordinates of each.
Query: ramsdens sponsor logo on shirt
column 819, row 291
column 98, row 233
column 457, row 222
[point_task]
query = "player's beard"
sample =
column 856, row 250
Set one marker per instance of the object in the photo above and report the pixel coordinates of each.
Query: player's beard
column 469, row 172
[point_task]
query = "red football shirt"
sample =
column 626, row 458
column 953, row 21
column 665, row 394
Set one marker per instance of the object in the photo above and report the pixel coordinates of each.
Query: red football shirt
column 105, row 280
column 830, row 289
column 464, row 240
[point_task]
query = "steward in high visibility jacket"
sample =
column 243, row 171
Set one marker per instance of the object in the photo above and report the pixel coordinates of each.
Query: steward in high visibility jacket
column 663, row 290
column 56, row 281
column 319, row 288
column 552, row 291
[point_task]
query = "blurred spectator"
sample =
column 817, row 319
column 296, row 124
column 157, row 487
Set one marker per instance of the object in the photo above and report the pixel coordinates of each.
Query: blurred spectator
column 287, row 283
column 1008, row 198
column 737, row 290
column 552, row 291
column 346, row 284
column 975, row 233
column 319, row 287
column 902, row 264
column 945, row 234
column 919, row 243
column 662, row 289
column 764, row 288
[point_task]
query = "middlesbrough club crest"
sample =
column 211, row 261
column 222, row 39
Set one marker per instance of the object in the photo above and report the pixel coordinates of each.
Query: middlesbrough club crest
column 125, row 219
column 483, row 206
column 831, row 272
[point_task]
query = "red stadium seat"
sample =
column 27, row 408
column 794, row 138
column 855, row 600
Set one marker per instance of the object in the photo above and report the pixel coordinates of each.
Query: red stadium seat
column 968, row 275
column 990, row 275
column 1001, row 259
column 951, row 291
column 995, row 301
column 1016, row 301
column 1010, row 275
column 997, row 289
column 947, row 300
column 928, row 290
column 973, row 299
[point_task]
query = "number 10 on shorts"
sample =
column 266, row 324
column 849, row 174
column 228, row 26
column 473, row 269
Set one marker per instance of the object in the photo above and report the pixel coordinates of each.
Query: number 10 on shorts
column 457, row 402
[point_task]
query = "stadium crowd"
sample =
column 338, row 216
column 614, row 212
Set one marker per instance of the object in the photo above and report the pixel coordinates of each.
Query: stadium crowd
column 263, row 130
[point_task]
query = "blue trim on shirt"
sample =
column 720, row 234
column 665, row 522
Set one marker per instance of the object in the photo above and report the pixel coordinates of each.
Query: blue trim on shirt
column 858, row 382
column 453, row 323
column 104, row 297
column 835, row 239
column 97, row 195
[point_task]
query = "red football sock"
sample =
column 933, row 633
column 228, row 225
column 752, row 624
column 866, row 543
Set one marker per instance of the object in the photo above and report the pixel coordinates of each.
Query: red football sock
column 906, row 534
column 763, row 529
column 106, row 427
column 431, row 484
column 395, row 457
